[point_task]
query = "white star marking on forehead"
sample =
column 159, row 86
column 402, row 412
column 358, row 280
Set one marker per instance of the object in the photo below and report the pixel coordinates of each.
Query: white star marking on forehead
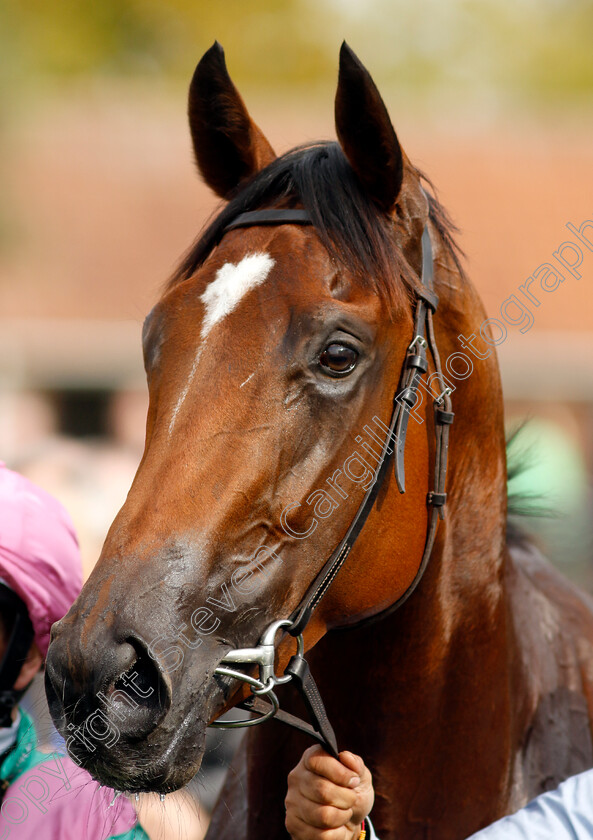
column 223, row 294
column 231, row 283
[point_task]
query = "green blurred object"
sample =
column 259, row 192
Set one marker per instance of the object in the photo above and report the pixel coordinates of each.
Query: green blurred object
column 553, row 481
column 268, row 39
column 515, row 50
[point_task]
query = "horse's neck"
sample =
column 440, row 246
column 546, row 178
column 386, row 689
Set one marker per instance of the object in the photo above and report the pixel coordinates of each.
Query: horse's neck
column 425, row 693
column 424, row 697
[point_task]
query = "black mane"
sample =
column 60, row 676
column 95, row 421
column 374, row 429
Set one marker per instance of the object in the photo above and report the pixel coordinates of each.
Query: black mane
column 355, row 232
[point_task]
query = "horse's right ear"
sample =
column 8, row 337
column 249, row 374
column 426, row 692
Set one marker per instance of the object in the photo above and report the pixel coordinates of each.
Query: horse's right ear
column 228, row 145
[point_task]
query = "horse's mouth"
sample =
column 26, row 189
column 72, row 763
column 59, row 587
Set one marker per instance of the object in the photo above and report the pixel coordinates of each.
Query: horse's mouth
column 144, row 767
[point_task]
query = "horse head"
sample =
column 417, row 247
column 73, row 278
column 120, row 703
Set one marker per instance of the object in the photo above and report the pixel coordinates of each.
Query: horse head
column 272, row 359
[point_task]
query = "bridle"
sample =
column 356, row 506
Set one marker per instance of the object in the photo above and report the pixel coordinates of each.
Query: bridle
column 415, row 364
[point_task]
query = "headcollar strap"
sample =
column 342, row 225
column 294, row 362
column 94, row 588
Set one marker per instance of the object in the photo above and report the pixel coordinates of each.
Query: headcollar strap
column 270, row 217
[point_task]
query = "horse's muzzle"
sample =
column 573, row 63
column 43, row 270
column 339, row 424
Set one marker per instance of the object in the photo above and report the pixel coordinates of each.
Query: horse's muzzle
column 98, row 700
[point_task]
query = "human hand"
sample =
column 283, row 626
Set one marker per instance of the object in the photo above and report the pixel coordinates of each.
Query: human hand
column 328, row 799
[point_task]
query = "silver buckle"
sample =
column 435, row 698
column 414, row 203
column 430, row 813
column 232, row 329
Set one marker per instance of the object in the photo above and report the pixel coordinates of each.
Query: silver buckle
column 262, row 655
column 418, row 339
column 441, row 397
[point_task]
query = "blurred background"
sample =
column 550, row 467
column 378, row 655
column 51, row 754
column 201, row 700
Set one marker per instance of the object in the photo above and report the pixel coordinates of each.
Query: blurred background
column 492, row 99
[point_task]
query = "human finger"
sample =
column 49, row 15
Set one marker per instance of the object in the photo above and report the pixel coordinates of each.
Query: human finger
column 299, row 830
column 320, row 816
column 323, row 764
column 320, row 790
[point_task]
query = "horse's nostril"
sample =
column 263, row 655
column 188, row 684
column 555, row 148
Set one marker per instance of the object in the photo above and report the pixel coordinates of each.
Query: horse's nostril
column 126, row 695
column 139, row 698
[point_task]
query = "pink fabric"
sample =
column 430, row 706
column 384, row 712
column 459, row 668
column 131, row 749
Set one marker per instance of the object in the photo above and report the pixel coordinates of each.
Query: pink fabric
column 57, row 800
column 39, row 556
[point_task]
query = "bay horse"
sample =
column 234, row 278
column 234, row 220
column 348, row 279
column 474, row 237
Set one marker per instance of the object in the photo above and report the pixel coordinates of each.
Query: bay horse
column 282, row 338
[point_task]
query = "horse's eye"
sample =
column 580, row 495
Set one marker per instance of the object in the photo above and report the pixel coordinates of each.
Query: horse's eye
column 338, row 359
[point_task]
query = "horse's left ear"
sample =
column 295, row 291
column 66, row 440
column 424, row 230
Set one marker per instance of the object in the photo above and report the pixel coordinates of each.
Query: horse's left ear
column 228, row 145
column 365, row 132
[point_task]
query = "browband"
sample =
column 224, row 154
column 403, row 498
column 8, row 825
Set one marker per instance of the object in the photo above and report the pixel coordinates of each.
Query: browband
column 270, row 217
